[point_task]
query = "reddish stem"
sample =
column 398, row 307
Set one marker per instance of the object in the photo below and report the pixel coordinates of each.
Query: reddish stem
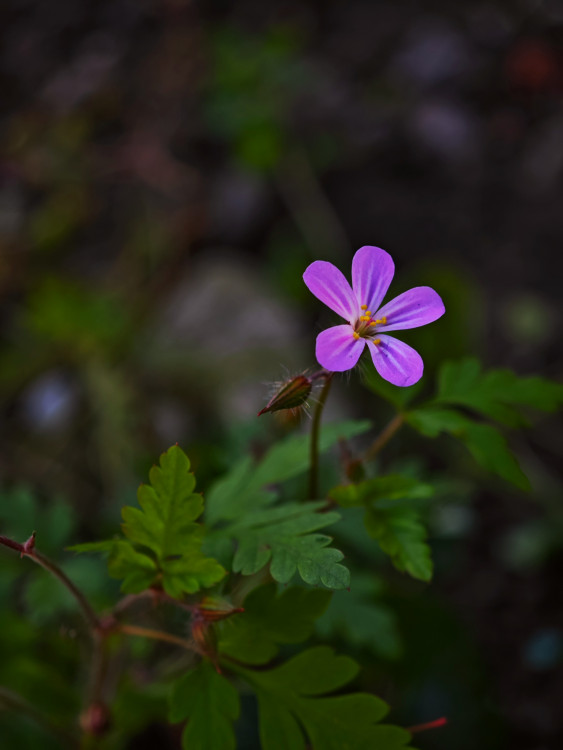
column 428, row 725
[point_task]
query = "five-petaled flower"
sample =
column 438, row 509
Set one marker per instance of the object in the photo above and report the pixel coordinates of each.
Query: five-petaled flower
column 339, row 348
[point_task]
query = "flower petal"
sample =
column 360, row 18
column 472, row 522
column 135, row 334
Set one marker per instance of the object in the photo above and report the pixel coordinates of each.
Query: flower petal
column 412, row 309
column 337, row 349
column 329, row 285
column 372, row 272
column 396, row 361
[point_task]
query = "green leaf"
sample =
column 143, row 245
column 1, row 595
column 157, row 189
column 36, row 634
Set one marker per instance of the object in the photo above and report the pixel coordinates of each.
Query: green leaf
column 165, row 528
column 401, row 535
column 210, row 704
column 361, row 619
column 497, row 394
column 391, row 487
column 243, row 487
column 285, row 536
column 292, row 704
column 484, row 441
column 270, row 619
column 137, row 570
column 394, row 394
column 169, row 507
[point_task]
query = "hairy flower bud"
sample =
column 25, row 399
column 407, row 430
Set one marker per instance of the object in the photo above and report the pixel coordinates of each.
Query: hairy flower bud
column 291, row 394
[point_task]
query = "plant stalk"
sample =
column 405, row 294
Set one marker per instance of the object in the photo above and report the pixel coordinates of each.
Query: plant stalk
column 315, row 431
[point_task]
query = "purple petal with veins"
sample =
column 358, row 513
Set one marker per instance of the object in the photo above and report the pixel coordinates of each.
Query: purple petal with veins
column 337, row 349
column 329, row 285
column 372, row 272
column 396, row 361
column 412, row 309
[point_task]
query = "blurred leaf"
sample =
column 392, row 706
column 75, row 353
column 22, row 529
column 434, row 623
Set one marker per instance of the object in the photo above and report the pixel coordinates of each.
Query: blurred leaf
column 242, row 488
column 392, row 487
column 292, row 704
column 270, row 619
column 399, row 397
column 66, row 313
column 210, row 704
column 486, row 443
column 358, row 617
column 496, row 394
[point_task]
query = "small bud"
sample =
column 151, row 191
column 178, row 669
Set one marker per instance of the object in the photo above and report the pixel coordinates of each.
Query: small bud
column 211, row 609
column 29, row 545
column 95, row 720
column 291, row 394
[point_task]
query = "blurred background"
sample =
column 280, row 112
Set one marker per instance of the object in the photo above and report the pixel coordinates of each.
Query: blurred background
column 168, row 168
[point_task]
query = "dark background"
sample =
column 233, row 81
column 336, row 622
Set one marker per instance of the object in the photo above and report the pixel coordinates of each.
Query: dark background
column 168, row 169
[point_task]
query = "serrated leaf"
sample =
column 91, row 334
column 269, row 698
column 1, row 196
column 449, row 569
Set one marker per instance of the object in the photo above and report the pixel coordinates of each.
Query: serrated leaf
column 242, row 488
column 166, row 530
column 401, row 535
column 292, row 697
column 391, row 487
column 169, row 507
column 484, row 441
column 497, row 394
column 284, row 536
column 270, row 619
column 210, row 704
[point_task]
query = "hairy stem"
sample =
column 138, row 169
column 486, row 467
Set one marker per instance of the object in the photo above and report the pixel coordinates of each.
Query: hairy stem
column 315, row 431
column 16, row 703
column 27, row 549
column 384, row 437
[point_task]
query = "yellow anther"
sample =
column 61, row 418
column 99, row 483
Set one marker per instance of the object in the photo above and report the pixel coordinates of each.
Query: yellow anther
column 368, row 314
column 364, row 317
column 373, row 322
column 364, row 307
column 383, row 321
column 376, row 341
column 356, row 335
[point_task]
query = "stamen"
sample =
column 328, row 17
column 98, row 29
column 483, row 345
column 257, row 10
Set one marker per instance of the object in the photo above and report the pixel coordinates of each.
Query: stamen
column 376, row 341
column 368, row 314
column 364, row 307
column 373, row 322
column 356, row 335
column 383, row 321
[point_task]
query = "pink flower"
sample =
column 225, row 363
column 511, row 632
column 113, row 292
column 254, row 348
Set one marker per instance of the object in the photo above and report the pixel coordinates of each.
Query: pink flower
column 339, row 348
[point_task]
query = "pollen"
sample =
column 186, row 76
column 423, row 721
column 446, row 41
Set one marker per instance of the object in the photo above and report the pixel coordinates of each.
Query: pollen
column 373, row 322
column 364, row 307
column 376, row 341
column 383, row 321
column 356, row 335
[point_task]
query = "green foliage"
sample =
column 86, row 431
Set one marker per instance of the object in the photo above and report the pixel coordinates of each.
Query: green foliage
column 362, row 619
column 391, row 487
column 271, row 619
column 285, row 536
column 400, row 534
column 294, row 708
column 498, row 394
column 487, row 445
column 240, row 508
column 65, row 313
column 210, row 704
column 390, row 520
column 166, row 526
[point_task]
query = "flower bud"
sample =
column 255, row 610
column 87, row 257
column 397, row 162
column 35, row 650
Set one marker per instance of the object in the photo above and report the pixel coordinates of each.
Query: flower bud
column 95, row 720
column 211, row 609
column 291, row 394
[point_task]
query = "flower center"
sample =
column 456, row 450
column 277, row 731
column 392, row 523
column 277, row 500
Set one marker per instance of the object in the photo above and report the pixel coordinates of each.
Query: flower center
column 366, row 325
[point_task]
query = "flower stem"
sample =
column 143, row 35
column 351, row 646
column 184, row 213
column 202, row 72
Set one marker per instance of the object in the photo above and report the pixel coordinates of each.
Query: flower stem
column 157, row 635
column 27, row 549
column 384, row 437
column 315, row 430
column 15, row 702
